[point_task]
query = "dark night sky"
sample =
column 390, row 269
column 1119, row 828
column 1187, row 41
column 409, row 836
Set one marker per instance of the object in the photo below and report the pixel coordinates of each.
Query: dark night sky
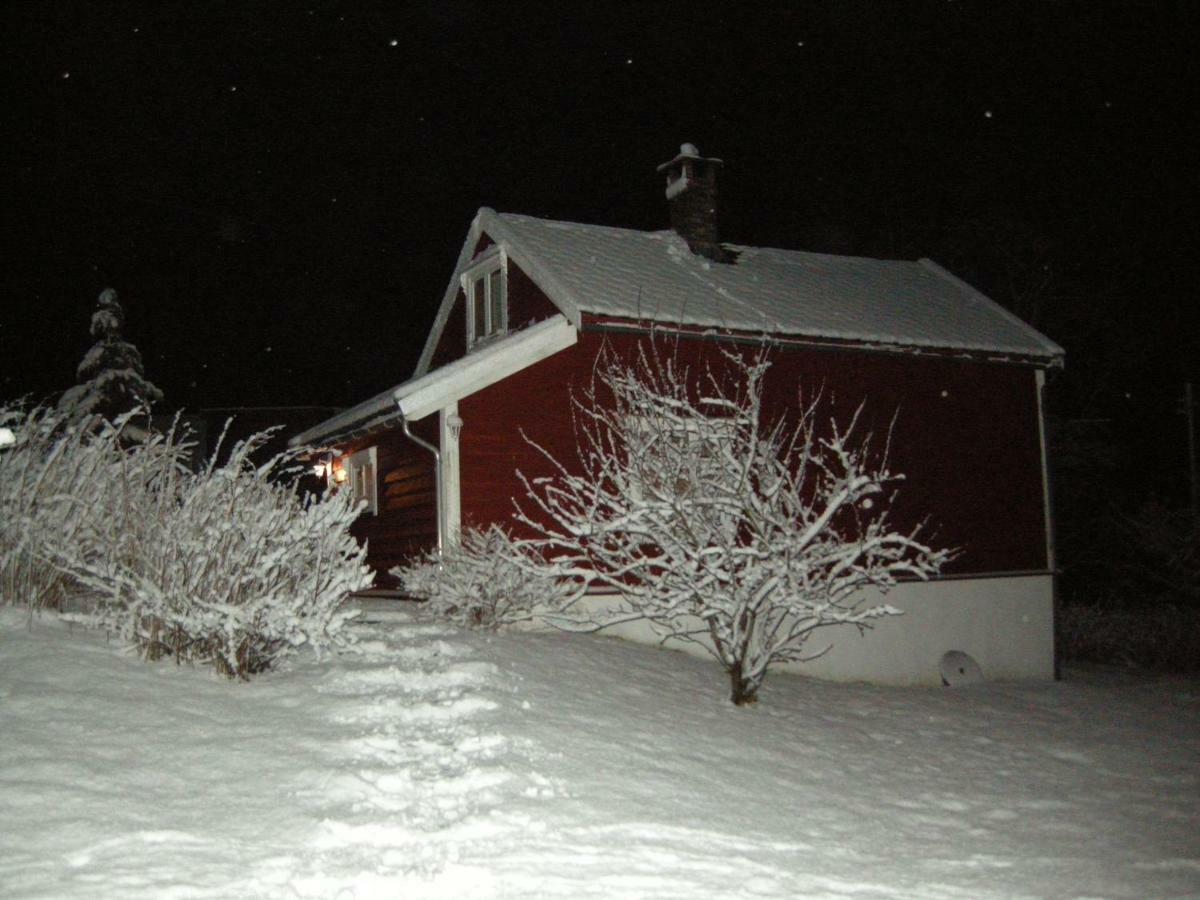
column 279, row 190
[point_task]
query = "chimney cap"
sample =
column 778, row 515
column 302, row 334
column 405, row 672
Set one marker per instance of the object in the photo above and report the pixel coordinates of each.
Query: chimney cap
column 688, row 151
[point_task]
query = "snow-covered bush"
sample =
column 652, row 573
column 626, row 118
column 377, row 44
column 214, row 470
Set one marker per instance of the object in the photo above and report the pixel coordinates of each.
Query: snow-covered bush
column 44, row 463
column 56, row 465
column 226, row 566
column 478, row 581
column 716, row 527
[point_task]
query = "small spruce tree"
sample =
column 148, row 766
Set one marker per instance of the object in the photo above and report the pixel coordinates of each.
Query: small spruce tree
column 111, row 377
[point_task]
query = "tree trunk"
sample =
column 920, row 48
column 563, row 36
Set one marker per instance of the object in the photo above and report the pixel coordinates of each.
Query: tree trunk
column 744, row 691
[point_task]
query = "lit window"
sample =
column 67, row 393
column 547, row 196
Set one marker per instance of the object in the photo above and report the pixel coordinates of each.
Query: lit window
column 486, row 289
column 363, row 469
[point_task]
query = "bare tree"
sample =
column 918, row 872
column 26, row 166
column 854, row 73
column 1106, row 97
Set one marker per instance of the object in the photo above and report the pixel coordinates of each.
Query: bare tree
column 718, row 528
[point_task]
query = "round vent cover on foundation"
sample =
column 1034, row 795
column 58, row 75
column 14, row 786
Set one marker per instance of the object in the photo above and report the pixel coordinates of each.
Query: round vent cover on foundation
column 959, row 668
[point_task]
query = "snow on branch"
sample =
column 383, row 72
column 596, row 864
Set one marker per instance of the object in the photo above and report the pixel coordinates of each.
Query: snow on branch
column 483, row 580
column 226, row 566
column 111, row 378
column 715, row 526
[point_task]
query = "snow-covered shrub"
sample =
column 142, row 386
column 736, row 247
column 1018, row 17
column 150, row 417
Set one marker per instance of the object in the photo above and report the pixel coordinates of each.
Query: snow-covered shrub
column 55, row 465
column 33, row 473
column 226, row 566
column 478, row 582
column 713, row 525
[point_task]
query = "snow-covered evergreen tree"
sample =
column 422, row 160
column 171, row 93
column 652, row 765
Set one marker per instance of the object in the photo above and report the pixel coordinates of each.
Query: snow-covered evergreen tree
column 111, row 378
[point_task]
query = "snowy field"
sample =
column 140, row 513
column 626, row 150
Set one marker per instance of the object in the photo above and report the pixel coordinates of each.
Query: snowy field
column 432, row 762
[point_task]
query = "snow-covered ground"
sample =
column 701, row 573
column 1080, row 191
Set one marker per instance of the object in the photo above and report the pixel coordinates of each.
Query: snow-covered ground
column 432, row 762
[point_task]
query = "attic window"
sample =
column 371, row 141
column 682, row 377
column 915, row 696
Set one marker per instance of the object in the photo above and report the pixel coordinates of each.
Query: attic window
column 485, row 286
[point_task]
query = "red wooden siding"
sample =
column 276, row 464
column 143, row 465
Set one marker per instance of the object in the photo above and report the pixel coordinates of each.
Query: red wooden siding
column 406, row 523
column 966, row 438
column 526, row 302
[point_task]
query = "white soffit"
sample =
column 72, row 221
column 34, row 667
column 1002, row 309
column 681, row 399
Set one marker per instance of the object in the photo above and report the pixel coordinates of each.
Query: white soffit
column 483, row 367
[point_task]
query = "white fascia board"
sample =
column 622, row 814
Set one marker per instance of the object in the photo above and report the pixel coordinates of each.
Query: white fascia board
column 450, row 383
column 380, row 404
column 465, row 255
column 541, row 274
column 1052, row 349
column 488, row 221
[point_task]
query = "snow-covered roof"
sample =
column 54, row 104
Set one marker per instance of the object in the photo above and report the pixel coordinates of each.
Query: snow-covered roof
column 652, row 275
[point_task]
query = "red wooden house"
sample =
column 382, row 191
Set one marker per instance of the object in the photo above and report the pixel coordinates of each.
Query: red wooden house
column 531, row 302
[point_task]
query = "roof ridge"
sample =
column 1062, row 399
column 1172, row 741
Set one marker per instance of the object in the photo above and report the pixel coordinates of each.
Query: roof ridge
column 669, row 232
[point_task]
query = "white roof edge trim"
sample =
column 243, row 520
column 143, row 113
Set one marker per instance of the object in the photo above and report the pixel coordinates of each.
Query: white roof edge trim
column 437, row 389
column 443, row 313
column 488, row 221
column 1052, row 349
column 380, row 403
column 554, row 290
column 484, row 260
column 559, row 294
column 462, row 377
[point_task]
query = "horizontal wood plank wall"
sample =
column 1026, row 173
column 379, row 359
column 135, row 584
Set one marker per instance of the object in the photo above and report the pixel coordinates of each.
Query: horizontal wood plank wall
column 406, row 523
column 965, row 437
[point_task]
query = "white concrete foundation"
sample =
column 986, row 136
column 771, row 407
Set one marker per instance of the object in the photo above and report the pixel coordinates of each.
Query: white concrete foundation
column 1005, row 623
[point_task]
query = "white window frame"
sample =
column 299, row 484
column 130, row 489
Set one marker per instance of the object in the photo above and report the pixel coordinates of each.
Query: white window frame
column 492, row 262
column 362, row 472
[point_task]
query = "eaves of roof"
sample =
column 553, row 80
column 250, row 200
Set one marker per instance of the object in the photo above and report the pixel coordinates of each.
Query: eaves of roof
column 421, row 396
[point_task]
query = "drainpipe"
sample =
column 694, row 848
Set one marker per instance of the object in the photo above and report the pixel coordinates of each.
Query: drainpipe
column 1048, row 504
column 437, row 474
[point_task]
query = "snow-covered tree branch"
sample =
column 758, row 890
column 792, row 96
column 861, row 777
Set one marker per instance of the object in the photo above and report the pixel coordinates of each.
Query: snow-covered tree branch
column 483, row 580
column 226, row 566
column 741, row 535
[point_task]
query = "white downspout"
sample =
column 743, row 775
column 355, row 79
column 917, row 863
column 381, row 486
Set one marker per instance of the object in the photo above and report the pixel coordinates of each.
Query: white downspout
column 437, row 475
column 449, row 430
column 1051, row 549
column 1047, row 498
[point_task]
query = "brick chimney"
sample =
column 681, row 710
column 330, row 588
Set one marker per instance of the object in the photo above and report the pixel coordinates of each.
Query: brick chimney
column 692, row 197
